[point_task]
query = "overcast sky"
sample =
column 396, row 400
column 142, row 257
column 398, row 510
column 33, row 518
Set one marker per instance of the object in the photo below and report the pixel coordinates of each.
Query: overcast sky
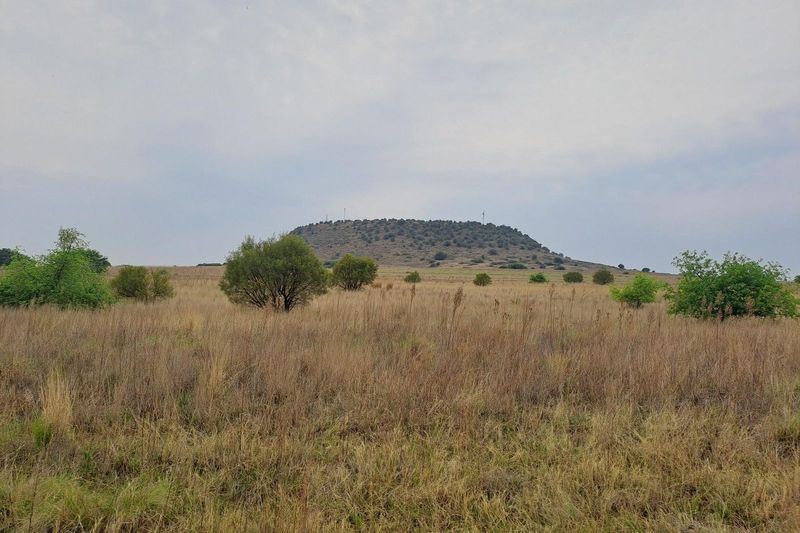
column 612, row 131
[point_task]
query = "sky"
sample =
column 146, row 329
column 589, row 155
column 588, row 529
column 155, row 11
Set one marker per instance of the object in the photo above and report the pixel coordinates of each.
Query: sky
column 612, row 131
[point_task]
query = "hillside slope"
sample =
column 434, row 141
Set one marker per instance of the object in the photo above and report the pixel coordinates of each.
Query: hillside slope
column 421, row 243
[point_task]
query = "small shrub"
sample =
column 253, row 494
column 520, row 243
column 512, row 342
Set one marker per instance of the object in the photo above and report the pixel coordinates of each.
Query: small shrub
column 537, row 278
column 492, row 251
column 641, row 290
column 440, row 256
column 162, row 288
column 351, row 273
column 412, row 277
column 603, row 277
column 141, row 284
column 573, row 277
column 482, row 279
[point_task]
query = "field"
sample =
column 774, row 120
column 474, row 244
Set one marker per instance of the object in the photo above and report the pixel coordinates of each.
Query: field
column 510, row 407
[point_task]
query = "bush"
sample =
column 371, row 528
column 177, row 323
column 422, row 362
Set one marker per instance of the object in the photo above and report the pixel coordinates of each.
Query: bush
column 351, row 273
column 537, row 278
column 641, row 290
column 279, row 273
column 412, row 277
column 482, row 279
column 63, row 278
column 736, row 286
column 603, row 277
column 573, row 277
column 645, row 269
column 439, row 256
column 514, row 266
column 142, row 284
column 797, row 278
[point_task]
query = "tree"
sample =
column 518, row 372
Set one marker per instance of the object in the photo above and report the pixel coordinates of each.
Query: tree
column 142, row 284
column 537, row 278
column 61, row 278
column 736, row 286
column 72, row 240
column 646, row 269
column 351, row 273
column 573, row 277
column 621, row 266
column 279, row 273
column 603, row 277
column 797, row 278
column 7, row 255
column 482, row 279
column 641, row 290
column 439, row 256
column 412, row 277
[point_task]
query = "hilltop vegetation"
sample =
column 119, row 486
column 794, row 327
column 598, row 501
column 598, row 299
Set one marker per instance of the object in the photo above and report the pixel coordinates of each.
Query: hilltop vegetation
column 432, row 243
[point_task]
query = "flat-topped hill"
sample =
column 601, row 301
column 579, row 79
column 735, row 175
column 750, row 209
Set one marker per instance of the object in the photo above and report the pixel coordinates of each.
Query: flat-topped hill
column 421, row 243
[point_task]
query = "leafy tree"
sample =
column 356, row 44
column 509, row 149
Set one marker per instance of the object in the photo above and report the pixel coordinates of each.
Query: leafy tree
column 7, row 255
column 573, row 277
column 279, row 273
column 482, row 279
column 142, row 284
column 61, row 278
column 621, row 266
column 603, row 277
column 72, row 240
column 351, row 273
column 412, row 277
column 736, row 286
column 797, row 278
column 97, row 262
column 645, row 269
column 641, row 290
column 537, row 278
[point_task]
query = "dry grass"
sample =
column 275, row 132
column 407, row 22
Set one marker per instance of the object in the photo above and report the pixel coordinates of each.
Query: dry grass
column 520, row 407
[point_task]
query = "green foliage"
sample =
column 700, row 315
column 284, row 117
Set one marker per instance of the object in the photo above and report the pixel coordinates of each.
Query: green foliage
column 439, row 256
column 63, row 278
column 797, row 278
column 514, row 266
column 537, row 278
column 482, row 279
column 603, row 277
column 412, row 277
column 279, row 273
column 142, row 284
column 7, row 255
column 641, row 290
column 573, row 277
column 645, row 269
column 42, row 432
column 132, row 282
column 162, row 288
column 351, row 273
column 736, row 286
column 97, row 261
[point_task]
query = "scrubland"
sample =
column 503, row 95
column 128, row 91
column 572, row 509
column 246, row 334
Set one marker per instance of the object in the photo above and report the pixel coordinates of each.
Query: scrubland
column 441, row 406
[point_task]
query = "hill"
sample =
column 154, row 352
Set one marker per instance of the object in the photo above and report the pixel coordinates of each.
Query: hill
column 430, row 243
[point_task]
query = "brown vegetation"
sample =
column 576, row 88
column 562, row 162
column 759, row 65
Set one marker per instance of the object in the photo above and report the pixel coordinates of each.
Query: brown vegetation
column 436, row 406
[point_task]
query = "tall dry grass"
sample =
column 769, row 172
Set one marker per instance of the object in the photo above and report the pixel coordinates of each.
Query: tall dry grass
column 438, row 406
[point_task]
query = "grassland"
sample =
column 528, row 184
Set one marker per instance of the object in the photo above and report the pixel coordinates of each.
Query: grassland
column 508, row 407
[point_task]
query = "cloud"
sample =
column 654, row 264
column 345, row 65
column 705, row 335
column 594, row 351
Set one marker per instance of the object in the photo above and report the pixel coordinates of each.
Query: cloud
column 398, row 107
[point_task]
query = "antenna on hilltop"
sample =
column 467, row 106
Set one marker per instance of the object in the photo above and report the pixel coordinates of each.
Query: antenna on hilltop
column 345, row 214
column 483, row 217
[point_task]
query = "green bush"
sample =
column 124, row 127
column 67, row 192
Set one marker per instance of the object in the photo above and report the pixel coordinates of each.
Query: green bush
column 736, row 286
column 482, row 279
column 279, row 273
column 514, row 266
column 63, row 277
column 645, row 269
column 7, row 255
column 641, row 290
column 351, row 273
column 797, row 278
column 132, row 282
column 537, row 278
column 142, row 284
column 439, row 256
column 412, row 277
column 603, row 277
column 573, row 277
